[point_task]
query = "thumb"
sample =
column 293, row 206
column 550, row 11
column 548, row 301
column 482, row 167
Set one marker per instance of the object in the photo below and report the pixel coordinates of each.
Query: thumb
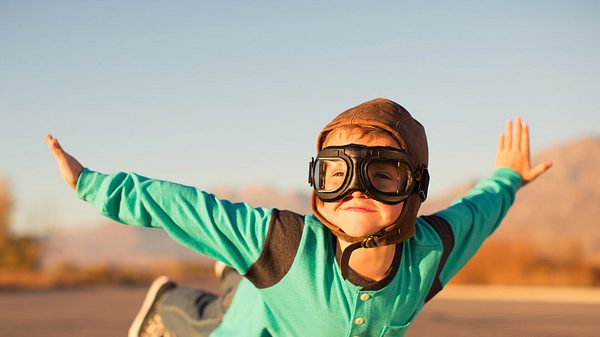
column 538, row 170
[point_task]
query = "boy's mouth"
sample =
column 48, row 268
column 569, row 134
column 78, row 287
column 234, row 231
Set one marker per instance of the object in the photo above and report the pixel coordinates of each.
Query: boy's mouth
column 362, row 209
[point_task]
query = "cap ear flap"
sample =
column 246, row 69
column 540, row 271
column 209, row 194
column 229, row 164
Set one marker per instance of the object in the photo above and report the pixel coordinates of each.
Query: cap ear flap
column 404, row 226
column 334, row 229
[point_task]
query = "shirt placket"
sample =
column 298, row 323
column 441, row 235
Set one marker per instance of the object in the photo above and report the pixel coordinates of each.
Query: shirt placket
column 361, row 318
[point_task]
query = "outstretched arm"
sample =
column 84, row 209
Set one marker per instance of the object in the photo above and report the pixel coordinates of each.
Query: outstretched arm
column 230, row 232
column 513, row 151
column 69, row 167
column 474, row 216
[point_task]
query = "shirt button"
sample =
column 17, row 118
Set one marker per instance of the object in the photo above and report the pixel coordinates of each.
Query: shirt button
column 364, row 297
column 359, row 321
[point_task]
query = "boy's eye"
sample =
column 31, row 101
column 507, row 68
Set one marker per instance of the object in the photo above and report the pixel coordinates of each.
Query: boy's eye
column 335, row 168
column 383, row 176
column 338, row 173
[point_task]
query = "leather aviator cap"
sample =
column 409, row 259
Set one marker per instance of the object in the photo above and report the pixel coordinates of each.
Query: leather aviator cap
column 410, row 134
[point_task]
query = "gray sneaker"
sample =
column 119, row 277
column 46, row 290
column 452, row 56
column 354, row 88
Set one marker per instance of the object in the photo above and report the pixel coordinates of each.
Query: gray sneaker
column 147, row 323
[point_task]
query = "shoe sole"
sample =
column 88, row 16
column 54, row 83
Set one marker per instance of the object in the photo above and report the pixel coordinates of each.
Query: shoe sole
column 157, row 288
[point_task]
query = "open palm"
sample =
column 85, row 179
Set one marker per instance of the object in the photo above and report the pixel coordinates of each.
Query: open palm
column 513, row 151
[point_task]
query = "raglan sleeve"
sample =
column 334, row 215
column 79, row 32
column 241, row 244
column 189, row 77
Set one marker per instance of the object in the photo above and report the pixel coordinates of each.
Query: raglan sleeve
column 475, row 216
column 230, row 232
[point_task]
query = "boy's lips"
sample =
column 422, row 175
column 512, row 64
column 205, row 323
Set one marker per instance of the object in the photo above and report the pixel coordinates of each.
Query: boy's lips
column 358, row 208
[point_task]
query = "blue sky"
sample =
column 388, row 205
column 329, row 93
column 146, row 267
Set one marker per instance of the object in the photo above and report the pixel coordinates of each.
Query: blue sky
column 234, row 93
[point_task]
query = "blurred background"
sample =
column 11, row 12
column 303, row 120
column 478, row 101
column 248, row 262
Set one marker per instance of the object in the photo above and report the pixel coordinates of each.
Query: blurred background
column 230, row 96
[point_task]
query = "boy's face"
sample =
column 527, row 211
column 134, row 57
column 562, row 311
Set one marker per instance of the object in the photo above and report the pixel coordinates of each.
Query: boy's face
column 357, row 214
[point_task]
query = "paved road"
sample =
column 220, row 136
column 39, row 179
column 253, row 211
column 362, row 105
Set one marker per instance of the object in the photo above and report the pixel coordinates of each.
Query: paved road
column 92, row 312
column 460, row 318
column 107, row 312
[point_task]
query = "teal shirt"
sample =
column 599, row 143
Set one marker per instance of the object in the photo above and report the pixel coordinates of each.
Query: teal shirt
column 312, row 298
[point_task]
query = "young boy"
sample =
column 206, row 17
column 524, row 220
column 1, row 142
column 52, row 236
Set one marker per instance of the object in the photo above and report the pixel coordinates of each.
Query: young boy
column 362, row 265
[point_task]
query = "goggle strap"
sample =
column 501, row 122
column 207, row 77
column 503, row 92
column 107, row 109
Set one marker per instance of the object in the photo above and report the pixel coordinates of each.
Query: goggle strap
column 423, row 183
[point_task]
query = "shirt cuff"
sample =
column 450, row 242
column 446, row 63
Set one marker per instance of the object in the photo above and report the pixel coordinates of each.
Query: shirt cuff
column 86, row 178
column 509, row 175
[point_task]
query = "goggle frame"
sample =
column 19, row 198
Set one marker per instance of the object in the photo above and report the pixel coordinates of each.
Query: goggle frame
column 357, row 159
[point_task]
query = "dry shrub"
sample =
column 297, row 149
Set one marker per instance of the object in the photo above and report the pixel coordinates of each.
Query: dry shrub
column 71, row 275
column 17, row 253
column 517, row 262
column 20, row 254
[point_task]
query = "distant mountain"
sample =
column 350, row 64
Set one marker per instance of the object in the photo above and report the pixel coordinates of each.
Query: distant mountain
column 117, row 244
column 560, row 209
column 265, row 196
column 563, row 206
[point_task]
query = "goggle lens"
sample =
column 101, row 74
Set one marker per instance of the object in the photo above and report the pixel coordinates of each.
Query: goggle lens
column 330, row 174
column 391, row 176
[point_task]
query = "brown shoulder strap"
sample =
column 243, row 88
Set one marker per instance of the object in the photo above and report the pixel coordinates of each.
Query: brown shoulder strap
column 442, row 227
column 279, row 250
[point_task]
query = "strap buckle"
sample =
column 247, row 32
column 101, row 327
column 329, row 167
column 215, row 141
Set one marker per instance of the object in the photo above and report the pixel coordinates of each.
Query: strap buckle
column 370, row 242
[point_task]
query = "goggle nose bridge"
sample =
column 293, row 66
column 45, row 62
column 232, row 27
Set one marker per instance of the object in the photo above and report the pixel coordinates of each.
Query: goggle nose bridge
column 355, row 180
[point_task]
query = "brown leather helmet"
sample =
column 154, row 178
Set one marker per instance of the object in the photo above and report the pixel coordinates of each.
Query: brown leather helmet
column 409, row 133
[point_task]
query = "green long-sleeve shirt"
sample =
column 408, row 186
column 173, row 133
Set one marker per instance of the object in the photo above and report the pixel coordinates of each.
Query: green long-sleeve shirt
column 296, row 287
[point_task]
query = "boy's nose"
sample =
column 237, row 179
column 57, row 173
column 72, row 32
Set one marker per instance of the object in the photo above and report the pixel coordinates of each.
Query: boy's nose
column 354, row 194
column 358, row 194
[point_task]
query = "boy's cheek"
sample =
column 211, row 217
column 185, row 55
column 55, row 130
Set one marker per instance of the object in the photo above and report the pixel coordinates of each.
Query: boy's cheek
column 320, row 206
column 324, row 209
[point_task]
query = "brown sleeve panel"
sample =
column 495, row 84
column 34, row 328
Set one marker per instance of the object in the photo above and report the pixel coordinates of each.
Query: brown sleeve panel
column 279, row 250
column 442, row 227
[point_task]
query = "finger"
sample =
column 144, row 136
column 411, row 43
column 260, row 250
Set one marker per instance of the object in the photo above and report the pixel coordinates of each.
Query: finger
column 539, row 169
column 51, row 141
column 516, row 142
column 55, row 148
column 525, row 141
column 501, row 142
column 56, row 144
column 48, row 140
column 508, row 135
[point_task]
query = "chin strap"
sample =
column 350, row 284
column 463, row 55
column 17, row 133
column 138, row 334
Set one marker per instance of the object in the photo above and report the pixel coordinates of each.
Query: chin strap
column 369, row 242
column 345, row 262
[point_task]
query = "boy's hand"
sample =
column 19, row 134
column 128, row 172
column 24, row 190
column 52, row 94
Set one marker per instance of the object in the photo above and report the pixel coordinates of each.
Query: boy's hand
column 69, row 167
column 513, row 151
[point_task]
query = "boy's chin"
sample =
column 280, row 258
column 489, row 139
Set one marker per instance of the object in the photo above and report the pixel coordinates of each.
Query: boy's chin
column 359, row 230
column 359, row 226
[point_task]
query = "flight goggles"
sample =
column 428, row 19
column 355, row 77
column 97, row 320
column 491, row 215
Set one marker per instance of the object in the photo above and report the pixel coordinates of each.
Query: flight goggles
column 383, row 173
